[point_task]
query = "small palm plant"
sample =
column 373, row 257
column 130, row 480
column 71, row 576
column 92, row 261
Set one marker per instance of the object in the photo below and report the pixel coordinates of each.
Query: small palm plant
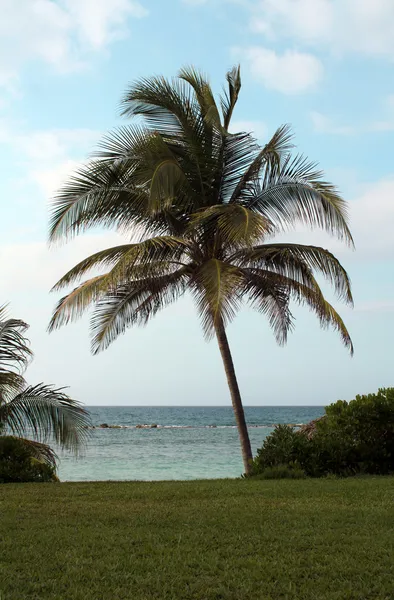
column 40, row 411
column 204, row 204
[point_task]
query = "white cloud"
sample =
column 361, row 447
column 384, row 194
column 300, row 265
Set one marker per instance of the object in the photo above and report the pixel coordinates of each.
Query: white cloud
column 52, row 144
column 326, row 124
column 48, row 156
column 354, row 26
column 50, row 180
column 291, row 72
column 19, row 262
column 372, row 218
column 61, row 33
column 375, row 306
column 99, row 21
column 323, row 124
column 381, row 126
column 305, row 19
column 257, row 128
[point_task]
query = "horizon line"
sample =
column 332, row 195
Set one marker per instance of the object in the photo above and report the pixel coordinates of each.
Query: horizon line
column 204, row 405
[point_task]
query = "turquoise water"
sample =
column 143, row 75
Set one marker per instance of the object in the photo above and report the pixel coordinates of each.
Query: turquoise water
column 189, row 442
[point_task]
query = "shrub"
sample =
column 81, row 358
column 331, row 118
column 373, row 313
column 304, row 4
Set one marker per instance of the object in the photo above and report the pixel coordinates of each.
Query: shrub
column 18, row 464
column 284, row 447
column 366, row 425
column 353, row 437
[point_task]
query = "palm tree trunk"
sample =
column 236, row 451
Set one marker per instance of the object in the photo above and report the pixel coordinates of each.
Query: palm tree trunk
column 235, row 395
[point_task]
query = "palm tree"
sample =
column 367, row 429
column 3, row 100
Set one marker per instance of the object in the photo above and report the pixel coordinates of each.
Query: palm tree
column 204, row 204
column 41, row 410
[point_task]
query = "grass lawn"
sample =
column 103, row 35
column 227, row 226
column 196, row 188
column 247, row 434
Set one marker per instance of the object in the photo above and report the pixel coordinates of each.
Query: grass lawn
column 205, row 540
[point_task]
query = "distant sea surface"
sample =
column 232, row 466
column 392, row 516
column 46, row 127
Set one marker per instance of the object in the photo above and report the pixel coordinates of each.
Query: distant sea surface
column 188, row 442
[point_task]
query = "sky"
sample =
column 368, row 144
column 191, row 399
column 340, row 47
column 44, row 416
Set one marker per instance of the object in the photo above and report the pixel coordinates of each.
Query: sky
column 324, row 66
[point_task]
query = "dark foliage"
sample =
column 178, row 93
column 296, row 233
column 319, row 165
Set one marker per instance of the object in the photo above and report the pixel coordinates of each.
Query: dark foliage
column 353, row 437
column 18, row 462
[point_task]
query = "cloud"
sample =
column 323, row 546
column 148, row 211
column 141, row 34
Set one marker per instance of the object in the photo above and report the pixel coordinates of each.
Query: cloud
column 48, row 145
column 50, row 180
column 307, row 20
column 19, row 262
column 344, row 26
column 325, row 124
column 99, row 22
column 40, row 162
column 49, row 156
column 290, row 73
column 372, row 218
column 60, row 33
column 381, row 306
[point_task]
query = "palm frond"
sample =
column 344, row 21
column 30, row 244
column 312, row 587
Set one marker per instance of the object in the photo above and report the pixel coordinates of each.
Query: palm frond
column 171, row 109
column 10, row 384
column 123, row 145
column 164, row 250
column 236, row 225
column 152, row 258
column 166, row 106
column 158, row 168
column 215, row 287
column 98, row 194
column 134, row 304
column 277, row 263
column 298, row 194
column 48, row 413
column 293, row 259
column 270, row 299
column 15, row 352
column 326, row 313
column 310, row 295
column 164, row 183
column 73, row 305
column 239, row 149
column 204, row 94
column 230, row 97
column 271, row 154
column 101, row 259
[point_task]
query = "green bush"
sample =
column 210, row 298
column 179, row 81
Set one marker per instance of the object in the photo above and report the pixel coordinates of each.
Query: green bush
column 284, row 447
column 353, row 437
column 366, row 425
column 17, row 463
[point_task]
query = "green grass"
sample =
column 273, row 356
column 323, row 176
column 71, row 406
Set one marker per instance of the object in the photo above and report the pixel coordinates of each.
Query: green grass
column 205, row 540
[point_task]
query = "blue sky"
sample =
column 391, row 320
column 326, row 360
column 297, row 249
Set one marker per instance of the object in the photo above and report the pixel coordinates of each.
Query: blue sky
column 325, row 66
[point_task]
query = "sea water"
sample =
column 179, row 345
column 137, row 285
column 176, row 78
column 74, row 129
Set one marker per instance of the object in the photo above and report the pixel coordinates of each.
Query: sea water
column 188, row 442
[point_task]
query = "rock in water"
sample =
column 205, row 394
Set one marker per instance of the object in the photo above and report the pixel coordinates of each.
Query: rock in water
column 310, row 428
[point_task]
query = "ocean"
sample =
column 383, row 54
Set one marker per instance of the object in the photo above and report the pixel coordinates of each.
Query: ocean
column 188, row 442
